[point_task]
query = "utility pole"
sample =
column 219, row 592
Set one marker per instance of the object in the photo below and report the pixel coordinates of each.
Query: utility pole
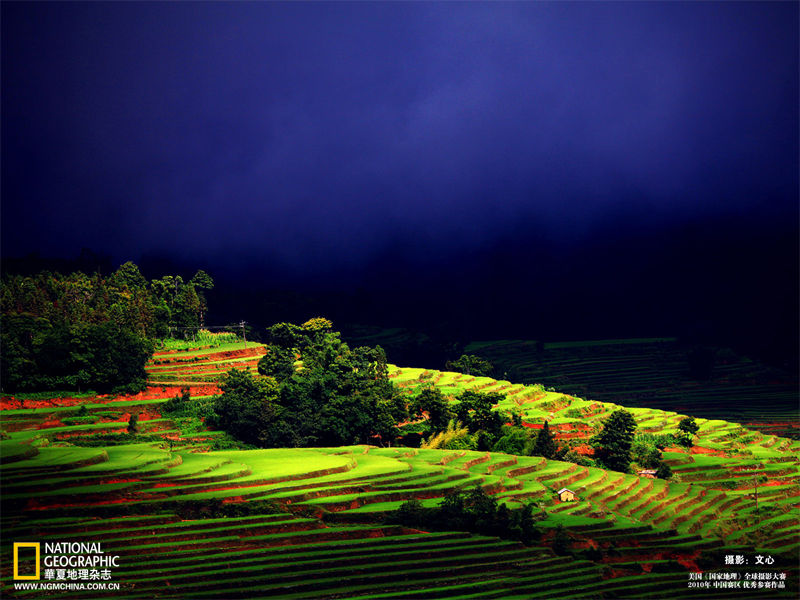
column 244, row 334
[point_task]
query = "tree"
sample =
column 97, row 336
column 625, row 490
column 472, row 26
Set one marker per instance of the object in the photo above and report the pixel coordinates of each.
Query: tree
column 133, row 424
column 651, row 459
column 184, row 301
column 482, row 508
column 663, row 471
column 317, row 324
column 202, row 281
column 432, row 401
column 688, row 425
column 470, row 364
column 21, row 336
column 278, row 362
column 514, row 440
column 475, row 410
column 545, row 444
column 397, row 407
column 285, row 335
column 648, row 456
column 522, row 525
column 411, row 512
column 128, row 276
column 248, row 408
column 613, row 444
column 561, row 541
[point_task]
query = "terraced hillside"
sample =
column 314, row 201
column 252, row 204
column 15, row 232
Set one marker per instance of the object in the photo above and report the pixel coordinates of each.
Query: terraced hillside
column 326, row 539
column 654, row 373
column 309, row 523
column 202, row 364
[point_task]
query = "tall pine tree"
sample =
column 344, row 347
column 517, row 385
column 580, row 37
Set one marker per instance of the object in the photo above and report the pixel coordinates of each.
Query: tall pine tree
column 545, row 444
column 613, row 444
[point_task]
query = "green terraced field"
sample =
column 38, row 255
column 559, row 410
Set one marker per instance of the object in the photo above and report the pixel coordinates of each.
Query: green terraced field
column 344, row 492
column 324, row 536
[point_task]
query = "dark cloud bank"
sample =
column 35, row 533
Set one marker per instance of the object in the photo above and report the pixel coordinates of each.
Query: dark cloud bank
column 557, row 170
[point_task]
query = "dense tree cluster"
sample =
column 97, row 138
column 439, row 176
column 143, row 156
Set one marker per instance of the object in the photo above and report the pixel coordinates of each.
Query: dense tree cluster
column 313, row 390
column 38, row 356
column 647, row 453
column 470, row 422
column 124, row 298
column 81, row 331
column 473, row 510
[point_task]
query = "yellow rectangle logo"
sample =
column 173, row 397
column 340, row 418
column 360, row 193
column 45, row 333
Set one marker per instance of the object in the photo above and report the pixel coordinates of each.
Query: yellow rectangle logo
column 17, row 546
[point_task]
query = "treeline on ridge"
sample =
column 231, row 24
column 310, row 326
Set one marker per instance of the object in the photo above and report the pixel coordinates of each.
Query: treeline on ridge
column 80, row 331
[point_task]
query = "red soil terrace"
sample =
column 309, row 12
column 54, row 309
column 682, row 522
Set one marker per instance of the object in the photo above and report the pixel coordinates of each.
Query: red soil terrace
column 203, row 368
column 703, row 450
column 152, row 393
column 227, row 354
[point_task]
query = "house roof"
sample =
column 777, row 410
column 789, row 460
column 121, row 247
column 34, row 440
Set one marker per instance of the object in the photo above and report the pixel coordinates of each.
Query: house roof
column 562, row 490
column 648, row 471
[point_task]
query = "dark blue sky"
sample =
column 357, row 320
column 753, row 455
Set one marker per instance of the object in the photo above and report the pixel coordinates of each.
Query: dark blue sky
column 320, row 138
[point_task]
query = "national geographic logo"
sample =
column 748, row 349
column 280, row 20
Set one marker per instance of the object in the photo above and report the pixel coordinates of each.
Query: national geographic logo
column 29, row 561
column 62, row 561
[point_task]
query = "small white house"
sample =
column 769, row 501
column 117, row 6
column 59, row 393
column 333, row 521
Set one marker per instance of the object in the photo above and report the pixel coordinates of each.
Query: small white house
column 565, row 495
